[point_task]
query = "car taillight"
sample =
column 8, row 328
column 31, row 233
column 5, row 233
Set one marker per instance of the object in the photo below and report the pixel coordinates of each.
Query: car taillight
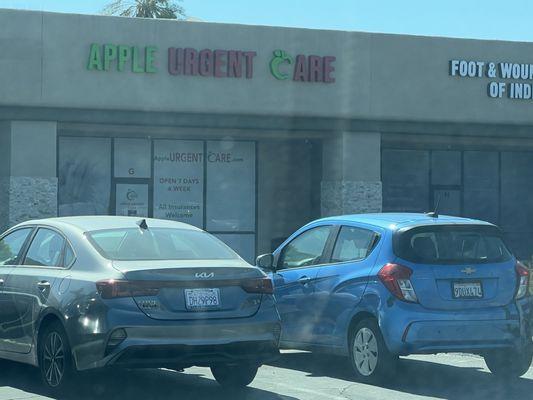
column 522, row 274
column 113, row 288
column 397, row 279
column 259, row 285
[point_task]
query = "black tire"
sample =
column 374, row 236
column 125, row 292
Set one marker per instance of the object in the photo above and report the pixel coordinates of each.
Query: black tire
column 371, row 360
column 55, row 360
column 235, row 376
column 510, row 363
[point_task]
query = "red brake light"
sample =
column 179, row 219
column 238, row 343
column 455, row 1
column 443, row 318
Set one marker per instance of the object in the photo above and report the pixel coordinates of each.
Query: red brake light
column 112, row 288
column 259, row 285
column 397, row 279
column 522, row 274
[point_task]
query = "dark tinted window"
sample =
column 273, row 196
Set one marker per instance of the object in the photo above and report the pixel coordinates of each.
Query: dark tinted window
column 353, row 244
column 306, row 249
column 45, row 249
column 451, row 244
column 160, row 244
column 11, row 245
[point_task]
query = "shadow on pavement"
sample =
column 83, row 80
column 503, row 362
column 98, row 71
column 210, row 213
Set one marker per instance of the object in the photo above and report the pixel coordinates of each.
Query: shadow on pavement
column 418, row 377
column 149, row 384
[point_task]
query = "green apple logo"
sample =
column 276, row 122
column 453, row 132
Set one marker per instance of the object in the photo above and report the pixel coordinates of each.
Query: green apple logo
column 280, row 57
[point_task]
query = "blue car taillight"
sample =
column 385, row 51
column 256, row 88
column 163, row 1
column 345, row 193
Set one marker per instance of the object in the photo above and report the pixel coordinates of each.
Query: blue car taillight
column 397, row 279
column 522, row 274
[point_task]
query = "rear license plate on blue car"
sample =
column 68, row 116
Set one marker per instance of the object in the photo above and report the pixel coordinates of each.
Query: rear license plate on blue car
column 201, row 299
column 467, row 290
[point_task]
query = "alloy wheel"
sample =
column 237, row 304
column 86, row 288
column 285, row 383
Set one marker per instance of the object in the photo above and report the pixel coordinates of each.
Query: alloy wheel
column 365, row 351
column 54, row 359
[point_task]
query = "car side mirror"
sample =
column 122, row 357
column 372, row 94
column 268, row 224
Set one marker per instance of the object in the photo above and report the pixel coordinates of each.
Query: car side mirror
column 266, row 261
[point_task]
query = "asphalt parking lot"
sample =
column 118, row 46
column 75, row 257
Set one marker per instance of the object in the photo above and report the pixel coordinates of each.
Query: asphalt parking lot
column 295, row 376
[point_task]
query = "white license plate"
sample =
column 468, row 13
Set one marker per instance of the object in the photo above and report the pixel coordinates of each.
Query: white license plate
column 467, row 290
column 201, row 299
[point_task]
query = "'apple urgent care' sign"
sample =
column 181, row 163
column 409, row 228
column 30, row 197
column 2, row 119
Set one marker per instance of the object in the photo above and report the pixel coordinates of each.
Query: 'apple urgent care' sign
column 214, row 63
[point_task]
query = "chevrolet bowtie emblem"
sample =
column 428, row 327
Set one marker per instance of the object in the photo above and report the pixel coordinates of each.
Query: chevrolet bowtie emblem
column 468, row 270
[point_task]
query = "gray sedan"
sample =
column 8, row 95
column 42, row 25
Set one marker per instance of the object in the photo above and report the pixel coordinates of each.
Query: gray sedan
column 80, row 293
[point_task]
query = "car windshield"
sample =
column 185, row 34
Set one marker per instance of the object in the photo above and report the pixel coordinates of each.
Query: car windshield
column 130, row 244
column 451, row 244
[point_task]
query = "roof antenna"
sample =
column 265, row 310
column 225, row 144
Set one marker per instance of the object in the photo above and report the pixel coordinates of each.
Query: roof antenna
column 435, row 212
column 142, row 224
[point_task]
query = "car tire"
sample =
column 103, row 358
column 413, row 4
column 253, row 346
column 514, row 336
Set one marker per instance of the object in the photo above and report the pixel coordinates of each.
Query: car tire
column 371, row 360
column 55, row 360
column 235, row 376
column 510, row 363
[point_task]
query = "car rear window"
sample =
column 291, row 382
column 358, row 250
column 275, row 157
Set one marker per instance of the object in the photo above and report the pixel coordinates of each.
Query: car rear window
column 132, row 244
column 451, row 244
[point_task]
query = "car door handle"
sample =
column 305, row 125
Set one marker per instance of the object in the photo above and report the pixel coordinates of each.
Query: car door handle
column 304, row 280
column 43, row 286
column 2, row 282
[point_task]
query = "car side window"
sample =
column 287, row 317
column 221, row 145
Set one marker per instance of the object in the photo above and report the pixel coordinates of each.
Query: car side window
column 11, row 245
column 306, row 249
column 45, row 249
column 69, row 257
column 353, row 244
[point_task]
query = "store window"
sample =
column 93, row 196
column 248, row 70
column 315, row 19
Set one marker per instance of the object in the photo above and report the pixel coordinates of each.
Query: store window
column 208, row 184
column 84, row 168
column 132, row 158
column 494, row 186
column 230, row 186
column 179, row 181
column 243, row 244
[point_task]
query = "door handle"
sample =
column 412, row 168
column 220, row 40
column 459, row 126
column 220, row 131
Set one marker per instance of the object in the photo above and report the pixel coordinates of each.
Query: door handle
column 2, row 282
column 304, row 280
column 43, row 286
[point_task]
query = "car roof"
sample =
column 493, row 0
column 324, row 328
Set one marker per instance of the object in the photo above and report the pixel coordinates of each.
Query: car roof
column 394, row 221
column 101, row 222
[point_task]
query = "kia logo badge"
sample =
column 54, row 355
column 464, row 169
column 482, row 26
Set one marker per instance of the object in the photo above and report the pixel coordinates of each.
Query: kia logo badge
column 204, row 275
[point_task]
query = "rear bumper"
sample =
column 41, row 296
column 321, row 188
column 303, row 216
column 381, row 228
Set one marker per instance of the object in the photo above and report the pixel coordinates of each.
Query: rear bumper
column 467, row 336
column 182, row 356
column 181, row 343
column 412, row 329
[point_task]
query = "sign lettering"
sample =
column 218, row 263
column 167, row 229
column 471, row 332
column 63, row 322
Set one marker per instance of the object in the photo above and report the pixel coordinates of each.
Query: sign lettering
column 498, row 75
column 214, row 63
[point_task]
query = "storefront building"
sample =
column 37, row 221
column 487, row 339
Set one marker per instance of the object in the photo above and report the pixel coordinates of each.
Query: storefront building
column 249, row 131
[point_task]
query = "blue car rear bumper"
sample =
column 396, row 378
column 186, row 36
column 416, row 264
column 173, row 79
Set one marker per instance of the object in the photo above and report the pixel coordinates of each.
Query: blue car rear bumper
column 412, row 329
column 435, row 336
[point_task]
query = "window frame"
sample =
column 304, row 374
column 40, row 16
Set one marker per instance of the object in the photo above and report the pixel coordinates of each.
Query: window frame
column 375, row 242
column 22, row 252
column 66, row 242
column 325, row 252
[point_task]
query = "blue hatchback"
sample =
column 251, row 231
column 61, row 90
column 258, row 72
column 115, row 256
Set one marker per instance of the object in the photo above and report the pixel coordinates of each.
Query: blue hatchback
column 377, row 286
